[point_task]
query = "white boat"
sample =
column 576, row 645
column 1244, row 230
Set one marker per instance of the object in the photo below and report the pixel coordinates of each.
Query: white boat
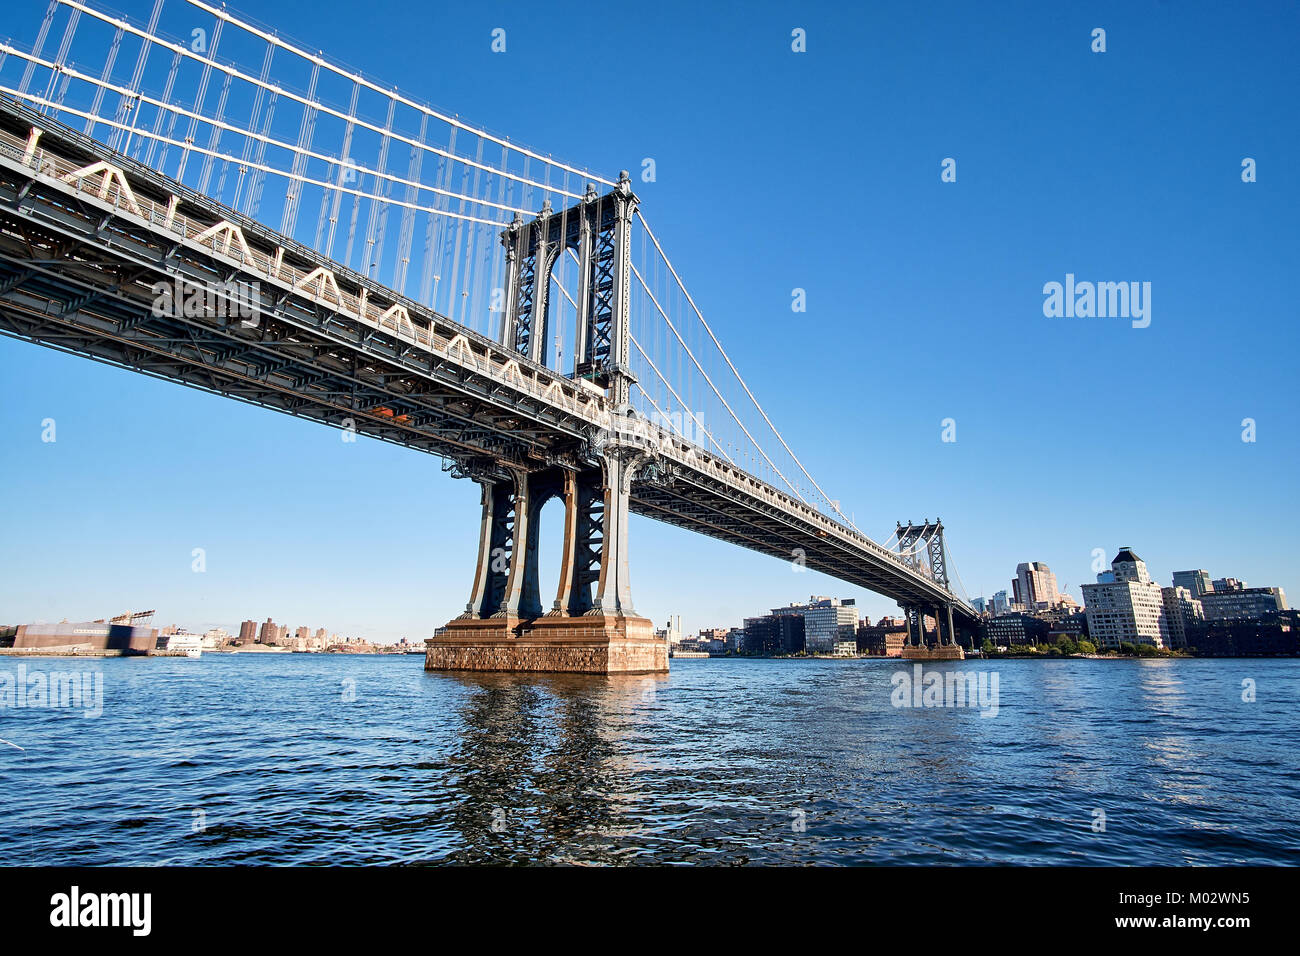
column 191, row 644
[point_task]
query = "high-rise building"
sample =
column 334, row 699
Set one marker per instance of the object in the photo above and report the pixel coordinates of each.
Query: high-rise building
column 1125, row 605
column 1197, row 582
column 1034, row 586
column 273, row 633
column 1183, row 611
column 248, row 632
column 1001, row 604
column 1227, row 584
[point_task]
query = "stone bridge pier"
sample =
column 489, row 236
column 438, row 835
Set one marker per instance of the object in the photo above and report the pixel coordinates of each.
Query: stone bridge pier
column 944, row 646
column 591, row 626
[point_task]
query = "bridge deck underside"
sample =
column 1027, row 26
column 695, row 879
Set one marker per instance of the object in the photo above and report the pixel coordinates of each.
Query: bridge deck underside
column 80, row 289
column 690, row 503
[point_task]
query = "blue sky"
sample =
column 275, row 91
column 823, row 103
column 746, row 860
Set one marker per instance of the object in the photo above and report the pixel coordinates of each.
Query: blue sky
column 777, row 170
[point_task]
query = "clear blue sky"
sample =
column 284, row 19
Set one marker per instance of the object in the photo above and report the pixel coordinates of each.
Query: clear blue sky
column 779, row 170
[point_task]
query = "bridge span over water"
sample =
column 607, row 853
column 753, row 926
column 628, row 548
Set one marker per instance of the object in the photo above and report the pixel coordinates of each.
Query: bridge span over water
column 104, row 255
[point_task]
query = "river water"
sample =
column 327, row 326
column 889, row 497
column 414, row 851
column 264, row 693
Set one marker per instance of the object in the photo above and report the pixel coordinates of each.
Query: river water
column 332, row 759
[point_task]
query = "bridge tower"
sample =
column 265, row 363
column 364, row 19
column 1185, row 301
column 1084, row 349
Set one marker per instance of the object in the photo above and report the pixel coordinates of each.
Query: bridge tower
column 591, row 626
column 945, row 646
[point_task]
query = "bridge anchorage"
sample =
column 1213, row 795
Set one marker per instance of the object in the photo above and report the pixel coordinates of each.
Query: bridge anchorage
column 591, row 626
column 945, row 646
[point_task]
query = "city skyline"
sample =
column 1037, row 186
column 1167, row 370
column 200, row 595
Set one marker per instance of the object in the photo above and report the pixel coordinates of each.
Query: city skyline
column 283, row 509
column 691, row 627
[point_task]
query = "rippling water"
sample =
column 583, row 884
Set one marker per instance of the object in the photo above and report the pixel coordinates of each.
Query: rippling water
column 266, row 759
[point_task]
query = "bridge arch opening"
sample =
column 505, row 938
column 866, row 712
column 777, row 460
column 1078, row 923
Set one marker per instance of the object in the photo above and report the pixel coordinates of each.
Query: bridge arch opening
column 550, row 550
column 564, row 287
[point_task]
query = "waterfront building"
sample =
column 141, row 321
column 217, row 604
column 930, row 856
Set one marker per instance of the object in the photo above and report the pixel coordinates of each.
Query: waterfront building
column 1243, row 604
column 824, row 622
column 736, row 640
column 1277, row 636
column 1125, row 605
column 884, row 639
column 1017, row 627
column 1182, row 611
column 1034, row 586
column 248, row 632
column 1197, row 582
column 830, row 621
column 774, row 634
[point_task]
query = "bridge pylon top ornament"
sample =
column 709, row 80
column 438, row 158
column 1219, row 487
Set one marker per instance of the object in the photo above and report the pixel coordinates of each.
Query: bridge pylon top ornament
column 931, row 534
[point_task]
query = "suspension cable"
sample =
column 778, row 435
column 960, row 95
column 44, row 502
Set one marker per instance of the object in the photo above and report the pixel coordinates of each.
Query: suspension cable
column 269, row 169
column 741, row 380
column 249, row 136
column 223, row 14
column 318, row 61
column 714, row 387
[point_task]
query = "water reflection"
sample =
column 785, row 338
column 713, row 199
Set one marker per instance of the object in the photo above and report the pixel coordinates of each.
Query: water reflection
column 539, row 771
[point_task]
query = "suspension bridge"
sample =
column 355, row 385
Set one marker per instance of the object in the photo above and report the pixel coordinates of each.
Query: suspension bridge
column 259, row 232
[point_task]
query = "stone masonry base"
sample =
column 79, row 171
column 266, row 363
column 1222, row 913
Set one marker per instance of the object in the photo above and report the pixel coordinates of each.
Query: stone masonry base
column 946, row 652
column 572, row 645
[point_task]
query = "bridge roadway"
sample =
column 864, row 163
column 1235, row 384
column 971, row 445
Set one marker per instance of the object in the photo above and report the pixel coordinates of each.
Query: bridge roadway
column 79, row 260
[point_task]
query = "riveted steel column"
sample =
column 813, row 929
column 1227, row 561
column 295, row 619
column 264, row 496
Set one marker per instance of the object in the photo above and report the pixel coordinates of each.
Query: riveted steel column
column 493, row 550
column 541, row 285
column 511, row 239
column 514, row 584
column 621, row 378
column 614, row 593
column 587, row 233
